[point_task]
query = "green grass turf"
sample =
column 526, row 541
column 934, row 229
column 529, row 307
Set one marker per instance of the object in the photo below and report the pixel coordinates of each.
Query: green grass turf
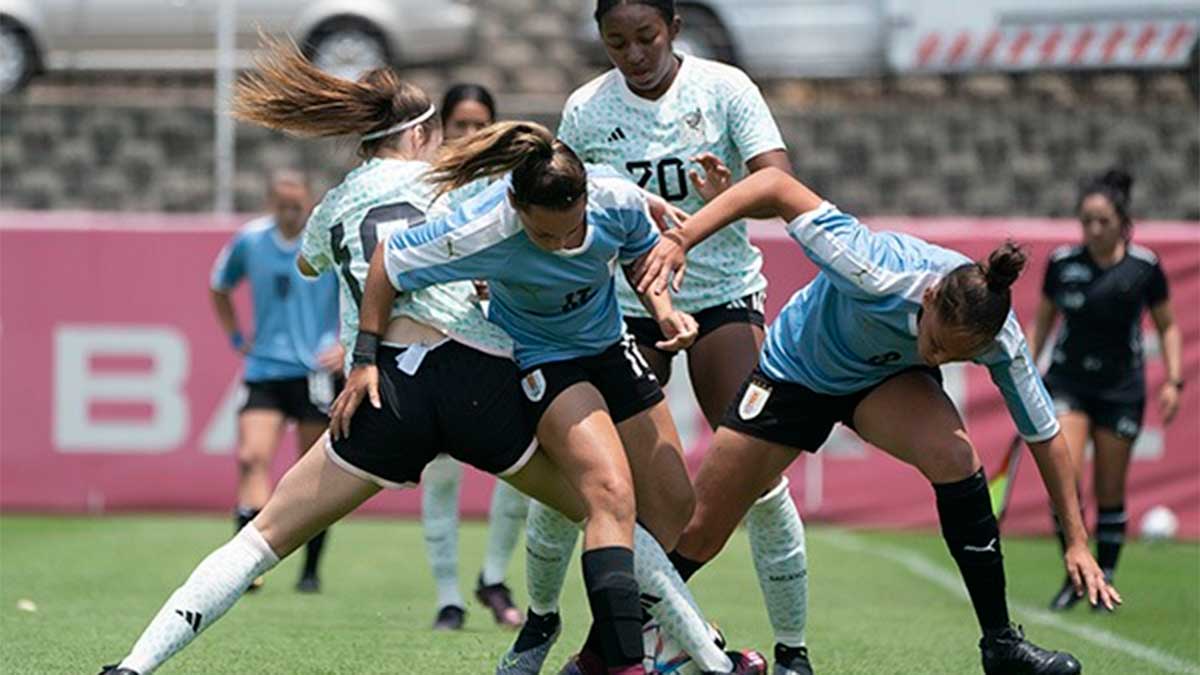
column 97, row 581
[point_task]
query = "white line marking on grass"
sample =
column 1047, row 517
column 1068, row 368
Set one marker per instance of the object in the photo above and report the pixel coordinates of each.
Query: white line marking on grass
column 922, row 567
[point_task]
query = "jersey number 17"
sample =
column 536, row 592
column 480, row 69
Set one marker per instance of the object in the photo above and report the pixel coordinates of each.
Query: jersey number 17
column 402, row 214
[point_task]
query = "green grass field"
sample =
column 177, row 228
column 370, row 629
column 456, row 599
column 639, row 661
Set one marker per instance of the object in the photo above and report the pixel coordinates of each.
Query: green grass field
column 880, row 603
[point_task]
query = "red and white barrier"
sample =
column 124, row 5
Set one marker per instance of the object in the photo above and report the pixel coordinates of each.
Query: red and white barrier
column 1063, row 45
column 118, row 389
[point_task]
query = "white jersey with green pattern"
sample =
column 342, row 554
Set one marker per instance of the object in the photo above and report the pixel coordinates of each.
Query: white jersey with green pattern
column 370, row 203
column 710, row 107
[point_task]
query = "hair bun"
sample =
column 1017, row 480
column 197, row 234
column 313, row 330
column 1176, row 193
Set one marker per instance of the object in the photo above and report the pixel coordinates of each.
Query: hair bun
column 1004, row 266
column 1118, row 180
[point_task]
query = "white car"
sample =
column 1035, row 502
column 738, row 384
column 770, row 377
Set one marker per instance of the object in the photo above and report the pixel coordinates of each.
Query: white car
column 342, row 36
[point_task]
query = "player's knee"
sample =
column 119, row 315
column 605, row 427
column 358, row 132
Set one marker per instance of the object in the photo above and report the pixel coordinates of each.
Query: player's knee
column 949, row 461
column 251, row 459
column 611, row 497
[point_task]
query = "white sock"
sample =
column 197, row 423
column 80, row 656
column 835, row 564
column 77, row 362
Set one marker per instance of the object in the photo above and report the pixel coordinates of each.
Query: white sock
column 673, row 606
column 216, row 583
column 439, row 517
column 506, row 519
column 549, row 543
column 777, row 545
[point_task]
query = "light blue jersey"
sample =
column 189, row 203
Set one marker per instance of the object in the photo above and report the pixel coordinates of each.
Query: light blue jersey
column 294, row 318
column 855, row 325
column 556, row 305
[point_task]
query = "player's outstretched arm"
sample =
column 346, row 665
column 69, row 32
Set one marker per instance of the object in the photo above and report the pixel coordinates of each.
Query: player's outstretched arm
column 767, row 191
column 679, row 327
column 1058, row 474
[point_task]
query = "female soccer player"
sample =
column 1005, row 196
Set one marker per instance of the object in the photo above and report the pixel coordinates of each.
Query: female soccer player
column 548, row 238
column 1097, row 378
column 651, row 117
column 467, row 108
column 440, row 374
column 858, row 344
column 293, row 355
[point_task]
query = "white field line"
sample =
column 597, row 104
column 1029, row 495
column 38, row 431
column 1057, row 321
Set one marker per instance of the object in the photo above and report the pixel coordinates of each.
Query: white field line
column 922, row 567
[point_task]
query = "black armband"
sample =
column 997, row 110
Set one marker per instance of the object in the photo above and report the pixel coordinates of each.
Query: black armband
column 366, row 345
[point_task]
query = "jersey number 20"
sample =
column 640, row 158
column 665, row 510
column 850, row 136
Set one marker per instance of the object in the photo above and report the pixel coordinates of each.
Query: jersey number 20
column 368, row 235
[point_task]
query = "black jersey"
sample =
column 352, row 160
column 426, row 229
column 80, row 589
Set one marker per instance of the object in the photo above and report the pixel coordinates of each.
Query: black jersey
column 1100, row 344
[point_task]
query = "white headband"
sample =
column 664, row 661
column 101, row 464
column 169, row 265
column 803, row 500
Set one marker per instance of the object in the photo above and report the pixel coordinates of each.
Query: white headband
column 397, row 128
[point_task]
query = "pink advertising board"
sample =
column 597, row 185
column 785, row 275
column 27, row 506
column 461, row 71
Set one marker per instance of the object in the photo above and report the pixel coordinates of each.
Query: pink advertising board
column 118, row 391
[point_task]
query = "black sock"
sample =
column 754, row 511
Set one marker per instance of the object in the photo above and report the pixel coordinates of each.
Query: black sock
column 537, row 630
column 684, row 565
column 1110, row 537
column 616, row 607
column 973, row 536
column 312, row 554
column 243, row 515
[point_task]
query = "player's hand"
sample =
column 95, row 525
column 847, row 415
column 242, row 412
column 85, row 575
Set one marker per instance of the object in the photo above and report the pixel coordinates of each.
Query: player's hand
column 680, row 329
column 664, row 214
column 664, row 265
column 717, row 177
column 1168, row 401
column 331, row 359
column 1088, row 578
column 363, row 381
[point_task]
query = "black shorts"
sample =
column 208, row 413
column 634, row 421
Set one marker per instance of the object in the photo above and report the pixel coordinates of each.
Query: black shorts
column 460, row 401
column 793, row 415
column 748, row 309
column 620, row 373
column 290, row 397
column 1121, row 415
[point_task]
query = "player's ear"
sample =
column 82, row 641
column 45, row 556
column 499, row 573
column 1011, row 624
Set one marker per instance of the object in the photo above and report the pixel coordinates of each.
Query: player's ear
column 674, row 27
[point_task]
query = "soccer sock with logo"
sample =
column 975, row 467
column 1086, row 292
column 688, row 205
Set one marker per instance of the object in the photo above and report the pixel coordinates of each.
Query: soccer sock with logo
column 666, row 598
column 777, row 545
column 1110, row 537
column 612, row 590
column 505, row 522
column 549, row 542
column 973, row 537
column 439, row 519
column 209, row 592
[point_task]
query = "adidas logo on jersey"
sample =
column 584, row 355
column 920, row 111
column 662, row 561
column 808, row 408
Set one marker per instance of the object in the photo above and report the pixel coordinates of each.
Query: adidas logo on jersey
column 192, row 619
column 616, row 135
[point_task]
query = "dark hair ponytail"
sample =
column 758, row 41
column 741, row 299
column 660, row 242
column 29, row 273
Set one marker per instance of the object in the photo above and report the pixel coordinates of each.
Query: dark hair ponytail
column 978, row 296
column 666, row 8
column 288, row 93
column 545, row 172
column 1117, row 186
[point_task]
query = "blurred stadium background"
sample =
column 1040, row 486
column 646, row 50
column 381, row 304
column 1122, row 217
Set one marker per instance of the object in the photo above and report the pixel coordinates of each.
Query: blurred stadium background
column 120, row 182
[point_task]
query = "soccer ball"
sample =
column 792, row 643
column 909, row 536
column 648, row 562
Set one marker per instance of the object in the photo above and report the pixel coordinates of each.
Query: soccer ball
column 664, row 656
column 1159, row 524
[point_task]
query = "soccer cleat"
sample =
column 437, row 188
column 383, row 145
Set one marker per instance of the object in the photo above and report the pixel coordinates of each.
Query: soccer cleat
column 450, row 617
column 255, row 585
column 529, row 652
column 498, row 598
column 584, row 663
column 308, row 584
column 748, row 662
column 1009, row 653
column 114, row 670
column 791, row 661
column 1066, row 598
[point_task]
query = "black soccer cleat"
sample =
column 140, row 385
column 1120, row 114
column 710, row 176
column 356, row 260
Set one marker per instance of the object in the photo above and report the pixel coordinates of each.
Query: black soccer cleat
column 308, row 584
column 791, row 661
column 1009, row 653
column 114, row 670
column 498, row 598
column 1066, row 598
column 450, row 617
